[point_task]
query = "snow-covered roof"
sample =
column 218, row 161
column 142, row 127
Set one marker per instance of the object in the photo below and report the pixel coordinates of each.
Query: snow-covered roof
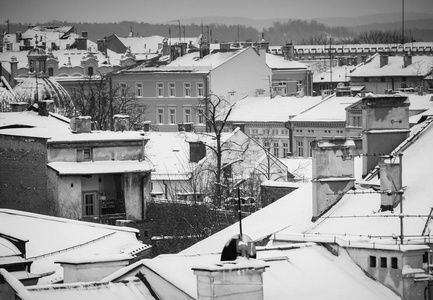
column 332, row 109
column 100, row 167
column 421, row 66
column 139, row 44
column 265, row 109
column 210, row 61
column 278, row 62
column 291, row 272
column 131, row 288
column 300, row 167
column 52, row 239
column 32, row 119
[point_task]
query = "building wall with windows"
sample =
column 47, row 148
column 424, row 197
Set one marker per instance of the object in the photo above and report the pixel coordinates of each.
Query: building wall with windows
column 274, row 137
column 171, row 98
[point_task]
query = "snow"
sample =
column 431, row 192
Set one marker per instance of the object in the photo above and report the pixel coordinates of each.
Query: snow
column 278, row 62
column 132, row 289
column 292, row 272
column 54, row 239
column 100, row 167
column 210, row 61
column 332, row 109
column 265, row 109
column 421, row 66
column 140, row 44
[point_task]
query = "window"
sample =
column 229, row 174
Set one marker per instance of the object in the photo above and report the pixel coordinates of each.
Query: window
column 84, row 154
column 160, row 115
column 200, row 90
column 300, row 148
column 425, row 257
column 172, row 89
column 311, row 149
column 372, row 261
column 139, row 89
column 187, row 116
column 50, row 72
column 90, row 204
column 90, row 71
column 200, row 116
column 266, row 145
column 285, row 149
column 187, row 89
column 276, row 149
column 160, row 89
column 122, row 89
column 172, row 115
column 383, row 262
column 394, row 262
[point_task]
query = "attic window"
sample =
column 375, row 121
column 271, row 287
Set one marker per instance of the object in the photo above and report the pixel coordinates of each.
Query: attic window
column 84, row 154
column 383, row 262
column 372, row 261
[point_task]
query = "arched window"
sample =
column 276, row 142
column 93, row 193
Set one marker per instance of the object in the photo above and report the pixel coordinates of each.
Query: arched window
column 90, row 71
column 50, row 72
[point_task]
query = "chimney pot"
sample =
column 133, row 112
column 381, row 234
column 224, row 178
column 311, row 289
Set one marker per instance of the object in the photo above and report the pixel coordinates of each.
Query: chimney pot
column 121, row 122
column 81, row 124
column 383, row 60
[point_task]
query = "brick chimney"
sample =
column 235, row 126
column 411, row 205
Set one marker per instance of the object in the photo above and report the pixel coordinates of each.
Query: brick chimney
column 82, row 124
column 14, row 70
column 385, row 121
column 383, row 60
column 333, row 172
column 121, row 122
column 239, row 279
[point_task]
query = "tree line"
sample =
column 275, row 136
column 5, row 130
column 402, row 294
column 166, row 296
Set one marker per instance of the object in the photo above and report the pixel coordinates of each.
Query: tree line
column 299, row 32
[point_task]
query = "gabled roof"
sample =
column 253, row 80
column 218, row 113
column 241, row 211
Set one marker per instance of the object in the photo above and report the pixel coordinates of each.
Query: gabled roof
column 291, row 272
column 52, row 239
column 139, row 44
column 265, row 109
column 332, row 109
column 421, row 66
column 337, row 74
column 278, row 62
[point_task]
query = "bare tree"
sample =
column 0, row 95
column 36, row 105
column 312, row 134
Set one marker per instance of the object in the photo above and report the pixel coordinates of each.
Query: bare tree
column 98, row 98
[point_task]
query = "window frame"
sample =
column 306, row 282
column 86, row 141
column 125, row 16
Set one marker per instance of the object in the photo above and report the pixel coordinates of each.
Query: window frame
column 187, row 89
column 172, row 115
column 160, row 89
column 200, row 89
column 139, row 89
column 160, row 115
column 172, row 89
column 186, row 116
column 94, row 205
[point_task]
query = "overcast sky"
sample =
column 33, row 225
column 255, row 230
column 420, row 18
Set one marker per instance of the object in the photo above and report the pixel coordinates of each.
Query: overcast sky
column 154, row 11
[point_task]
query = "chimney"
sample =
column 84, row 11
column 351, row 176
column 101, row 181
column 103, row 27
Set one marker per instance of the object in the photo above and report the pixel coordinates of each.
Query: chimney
column 197, row 151
column 390, row 183
column 239, row 279
column 84, row 34
column 240, row 125
column 333, row 172
column 407, row 60
column 288, row 50
column 385, row 122
column 91, row 267
column 44, row 107
column 121, row 122
column 383, row 60
column 82, row 124
column 14, row 70
column 146, row 125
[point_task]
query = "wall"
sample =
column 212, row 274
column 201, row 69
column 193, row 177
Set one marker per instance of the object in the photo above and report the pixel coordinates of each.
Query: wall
column 23, row 177
column 136, row 188
column 243, row 73
column 69, row 197
column 152, row 101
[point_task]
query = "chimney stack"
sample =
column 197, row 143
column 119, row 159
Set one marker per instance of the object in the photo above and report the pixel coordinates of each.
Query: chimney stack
column 333, row 172
column 407, row 60
column 239, row 279
column 44, row 107
column 121, row 122
column 383, row 60
column 82, row 124
column 385, row 121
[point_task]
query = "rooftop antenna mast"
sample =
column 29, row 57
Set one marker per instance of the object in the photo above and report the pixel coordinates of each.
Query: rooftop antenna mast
column 402, row 23
column 180, row 33
column 237, row 186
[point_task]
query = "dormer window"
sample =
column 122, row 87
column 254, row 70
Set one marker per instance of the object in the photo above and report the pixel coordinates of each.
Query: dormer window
column 90, row 71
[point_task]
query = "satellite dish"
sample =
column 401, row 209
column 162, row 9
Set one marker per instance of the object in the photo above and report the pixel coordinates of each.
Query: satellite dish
column 236, row 247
